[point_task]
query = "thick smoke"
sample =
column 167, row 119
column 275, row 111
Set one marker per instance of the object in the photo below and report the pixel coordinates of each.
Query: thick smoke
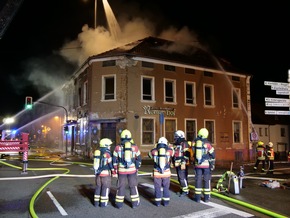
column 95, row 41
column 48, row 73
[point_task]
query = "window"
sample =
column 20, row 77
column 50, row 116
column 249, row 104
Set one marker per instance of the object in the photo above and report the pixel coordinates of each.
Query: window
column 147, row 64
column 86, row 95
column 109, row 87
column 169, row 68
column 283, row 132
column 109, row 63
column 208, row 95
column 209, row 125
column 189, row 93
column 170, row 128
column 208, row 74
column 189, row 71
column 237, row 128
column 260, row 131
column 236, row 93
column 79, row 97
column 190, row 130
column 266, row 131
column 236, row 78
column 147, row 88
column 148, row 131
column 169, row 91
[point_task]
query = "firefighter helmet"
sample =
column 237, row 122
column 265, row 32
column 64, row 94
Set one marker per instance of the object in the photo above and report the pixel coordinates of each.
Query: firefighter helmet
column 126, row 134
column 105, row 142
column 260, row 143
column 162, row 140
column 179, row 134
column 270, row 144
column 203, row 132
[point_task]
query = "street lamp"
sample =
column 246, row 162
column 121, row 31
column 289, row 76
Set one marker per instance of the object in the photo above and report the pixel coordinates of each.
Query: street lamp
column 8, row 121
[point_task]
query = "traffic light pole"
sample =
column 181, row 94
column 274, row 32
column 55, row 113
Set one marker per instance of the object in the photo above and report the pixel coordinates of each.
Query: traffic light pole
column 66, row 120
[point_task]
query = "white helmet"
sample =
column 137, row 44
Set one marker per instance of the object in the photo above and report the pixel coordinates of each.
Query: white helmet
column 270, row 144
column 163, row 140
column 179, row 134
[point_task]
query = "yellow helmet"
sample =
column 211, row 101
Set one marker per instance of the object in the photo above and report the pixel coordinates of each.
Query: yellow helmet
column 126, row 134
column 105, row 142
column 260, row 143
column 203, row 132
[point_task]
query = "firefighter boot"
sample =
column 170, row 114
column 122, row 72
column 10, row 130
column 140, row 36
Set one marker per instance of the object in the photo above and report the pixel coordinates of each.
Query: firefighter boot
column 206, row 198
column 119, row 205
column 165, row 203
column 182, row 194
column 157, row 203
column 197, row 198
column 135, row 204
column 96, row 203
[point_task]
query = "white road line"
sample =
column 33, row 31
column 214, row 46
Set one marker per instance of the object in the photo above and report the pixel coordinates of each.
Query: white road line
column 208, row 213
column 228, row 209
column 217, row 210
column 58, row 206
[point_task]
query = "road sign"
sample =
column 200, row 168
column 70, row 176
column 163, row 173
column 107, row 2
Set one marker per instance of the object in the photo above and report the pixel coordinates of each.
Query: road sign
column 277, row 104
column 278, row 92
column 273, row 112
column 269, row 83
column 285, row 100
column 280, row 88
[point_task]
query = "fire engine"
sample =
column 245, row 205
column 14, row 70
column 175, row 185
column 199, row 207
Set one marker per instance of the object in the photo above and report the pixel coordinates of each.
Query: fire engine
column 21, row 145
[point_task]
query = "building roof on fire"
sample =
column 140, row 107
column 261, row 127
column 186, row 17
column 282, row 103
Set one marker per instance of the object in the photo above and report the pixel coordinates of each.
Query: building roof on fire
column 175, row 52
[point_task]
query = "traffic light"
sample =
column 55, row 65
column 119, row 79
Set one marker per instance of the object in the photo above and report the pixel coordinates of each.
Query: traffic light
column 65, row 128
column 28, row 102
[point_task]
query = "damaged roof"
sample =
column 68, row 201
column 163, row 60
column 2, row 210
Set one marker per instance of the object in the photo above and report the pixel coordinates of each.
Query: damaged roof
column 175, row 52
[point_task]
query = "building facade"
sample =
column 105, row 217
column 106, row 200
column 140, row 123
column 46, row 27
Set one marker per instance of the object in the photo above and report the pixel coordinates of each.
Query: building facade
column 153, row 90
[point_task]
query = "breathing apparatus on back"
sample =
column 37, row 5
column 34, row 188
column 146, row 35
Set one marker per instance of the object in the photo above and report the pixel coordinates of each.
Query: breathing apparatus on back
column 200, row 150
column 127, row 153
column 99, row 157
column 161, row 160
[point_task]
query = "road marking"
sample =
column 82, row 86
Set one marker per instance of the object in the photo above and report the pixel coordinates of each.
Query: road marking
column 217, row 210
column 58, row 206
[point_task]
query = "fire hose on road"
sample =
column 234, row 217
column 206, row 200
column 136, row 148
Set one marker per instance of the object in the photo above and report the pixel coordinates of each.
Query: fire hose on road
column 140, row 173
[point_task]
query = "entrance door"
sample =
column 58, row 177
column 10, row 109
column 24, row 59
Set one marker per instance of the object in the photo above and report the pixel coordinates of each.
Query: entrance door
column 108, row 130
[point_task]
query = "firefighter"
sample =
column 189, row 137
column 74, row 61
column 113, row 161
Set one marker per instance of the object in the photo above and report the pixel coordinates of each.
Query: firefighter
column 270, row 156
column 103, row 170
column 181, row 160
column 126, row 162
column 162, row 155
column 204, row 163
column 260, row 156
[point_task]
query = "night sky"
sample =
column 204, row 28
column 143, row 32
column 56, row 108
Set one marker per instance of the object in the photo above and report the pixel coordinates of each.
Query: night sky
column 39, row 49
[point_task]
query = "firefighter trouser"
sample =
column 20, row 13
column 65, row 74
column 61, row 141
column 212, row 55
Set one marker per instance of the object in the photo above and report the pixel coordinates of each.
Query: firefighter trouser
column 257, row 164
column 160, row 183
column 202, row 183
column 182, row 176
column 103, row 184
column 121, row 186
column 271, row 165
